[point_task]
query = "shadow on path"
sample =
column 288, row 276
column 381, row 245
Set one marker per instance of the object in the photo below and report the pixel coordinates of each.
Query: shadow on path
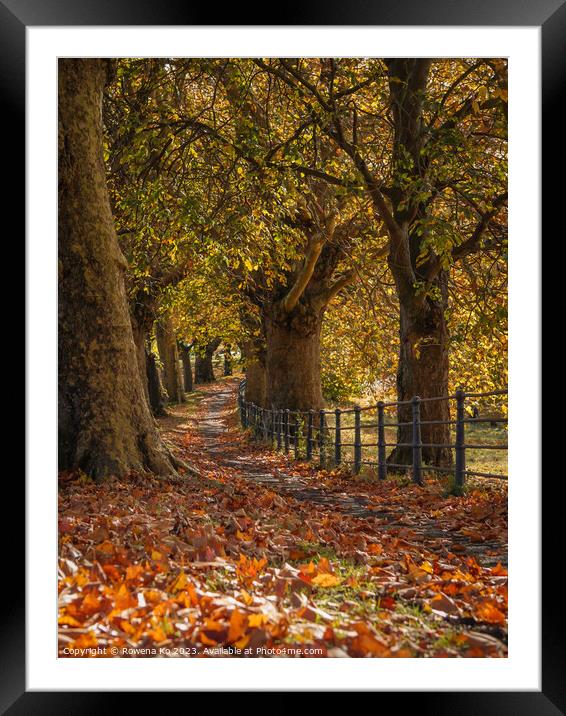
column 225, row 445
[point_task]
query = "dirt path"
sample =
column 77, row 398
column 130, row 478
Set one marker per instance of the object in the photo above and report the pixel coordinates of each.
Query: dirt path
column 224, row 443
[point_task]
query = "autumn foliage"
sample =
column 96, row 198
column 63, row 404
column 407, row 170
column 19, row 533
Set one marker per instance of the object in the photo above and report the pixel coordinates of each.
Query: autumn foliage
column 220, row 565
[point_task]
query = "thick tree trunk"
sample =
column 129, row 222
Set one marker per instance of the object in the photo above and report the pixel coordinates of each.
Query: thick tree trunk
column 256, row 373
column 423, row 352
column 204, row 371
column 156, row 391
column 423, row 372
column 185, row 352
column 105, row 425
column 167, row 345
column 293, row 360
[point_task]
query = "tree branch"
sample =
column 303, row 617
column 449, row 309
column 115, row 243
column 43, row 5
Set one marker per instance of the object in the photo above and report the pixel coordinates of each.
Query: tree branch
column 473, row 243
column 292, row 298
column 339, row 284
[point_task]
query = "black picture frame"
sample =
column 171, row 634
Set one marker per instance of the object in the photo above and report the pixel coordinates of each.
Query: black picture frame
column 550, row 16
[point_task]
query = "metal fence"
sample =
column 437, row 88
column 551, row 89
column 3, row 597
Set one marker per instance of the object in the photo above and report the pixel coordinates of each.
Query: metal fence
column 322, row 435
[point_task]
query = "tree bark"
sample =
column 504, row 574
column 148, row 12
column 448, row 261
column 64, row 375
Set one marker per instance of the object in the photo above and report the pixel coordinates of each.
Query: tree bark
column 185, row 352
column 227, row 361
column 155, row 388
column 142, row 316
column 105, row 425
column 293, row 359
column 293, row 323
column 256, row 374
column 423, row 354
column 423, row 372
column 167, row 346
column 140, row 338
column 204, row 371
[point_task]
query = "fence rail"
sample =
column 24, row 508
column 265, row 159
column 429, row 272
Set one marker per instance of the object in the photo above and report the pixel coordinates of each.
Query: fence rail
column 310, row 435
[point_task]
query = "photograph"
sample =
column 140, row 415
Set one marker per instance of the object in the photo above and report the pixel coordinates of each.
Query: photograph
column 283, row 329
column 282, row 294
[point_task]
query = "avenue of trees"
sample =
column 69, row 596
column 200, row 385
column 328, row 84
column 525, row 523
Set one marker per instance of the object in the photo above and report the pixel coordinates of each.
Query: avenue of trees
column 339, row 225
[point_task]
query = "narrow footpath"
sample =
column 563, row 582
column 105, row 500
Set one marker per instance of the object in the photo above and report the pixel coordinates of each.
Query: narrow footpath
column 225, row 445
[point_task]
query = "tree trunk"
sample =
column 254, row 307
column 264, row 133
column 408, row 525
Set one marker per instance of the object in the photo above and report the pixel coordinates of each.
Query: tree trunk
column 142, row 316
column 227, row 361
column 105, row 425
column 167, row 345
column 204, row 371
column 423, row 353
column 185, row 352
column 154, row 385
column 423, row 372
column 256, row 374
column 140, row 338
column 293, row 359
column 147, row 365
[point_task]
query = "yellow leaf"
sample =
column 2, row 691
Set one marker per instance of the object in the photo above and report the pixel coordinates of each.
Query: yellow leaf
column 180, row 583
column 246, row 597
column 326, row 580
column 256, row 620
column 71, row 621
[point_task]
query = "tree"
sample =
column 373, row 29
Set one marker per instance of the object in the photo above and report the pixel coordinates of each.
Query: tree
column 293, row 288
column 169, row 354
column 185, row 353
column 431, row 156
column 282, row 176
column 105, row 425
column 227, row 360
column 156, row 393
column 204, row 370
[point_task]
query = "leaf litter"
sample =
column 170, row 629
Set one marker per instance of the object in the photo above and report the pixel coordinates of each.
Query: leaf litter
column 214, row 564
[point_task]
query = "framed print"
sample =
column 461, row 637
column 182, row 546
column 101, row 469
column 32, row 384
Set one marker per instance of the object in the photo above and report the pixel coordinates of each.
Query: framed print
column 285, row 257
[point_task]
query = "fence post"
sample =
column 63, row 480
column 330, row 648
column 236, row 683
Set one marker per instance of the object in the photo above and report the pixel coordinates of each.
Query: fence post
column 296, row 438
column 417, row 442
column 264, row 419
column 321, row 437
column 357, row 440
column 460, row 462
column 337, row 437
column 310, row 422
column 286, row 431
column 381, row 453
column 278, row 431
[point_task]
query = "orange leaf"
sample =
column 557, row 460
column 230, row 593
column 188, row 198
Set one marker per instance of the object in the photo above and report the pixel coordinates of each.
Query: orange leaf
column 375, row 548
column 237, row 628
column 133, row 572
column 367, row 644
column 123, row 598
column 71, row 621
column 488, row 612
